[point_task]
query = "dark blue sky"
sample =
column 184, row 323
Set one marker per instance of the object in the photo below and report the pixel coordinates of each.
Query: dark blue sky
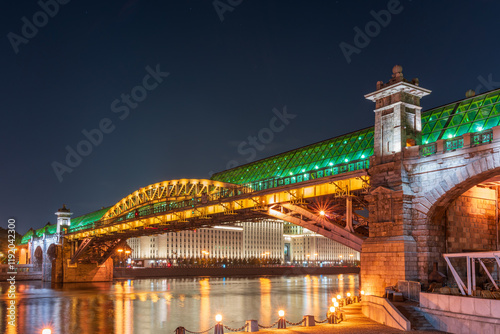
column 225, row 78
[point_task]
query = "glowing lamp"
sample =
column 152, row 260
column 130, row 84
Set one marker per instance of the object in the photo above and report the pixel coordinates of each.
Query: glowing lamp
column 336, row 304
column 339, row 297
column 281, row 313
column 322, row 213
column 362, row 292
column 332, row 309
column 218, row 318
column 348, row 294
column 47, row 331
column 334, row 300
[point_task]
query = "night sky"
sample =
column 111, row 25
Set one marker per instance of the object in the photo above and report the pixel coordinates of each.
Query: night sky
column 215, row 82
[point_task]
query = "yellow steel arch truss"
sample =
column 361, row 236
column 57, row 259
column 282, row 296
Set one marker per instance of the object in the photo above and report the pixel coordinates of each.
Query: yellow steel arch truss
column 222, row 208
column 172, row 190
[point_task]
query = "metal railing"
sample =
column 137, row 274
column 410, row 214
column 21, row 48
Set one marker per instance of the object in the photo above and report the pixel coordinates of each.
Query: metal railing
column 452, row 144
column 410, row 290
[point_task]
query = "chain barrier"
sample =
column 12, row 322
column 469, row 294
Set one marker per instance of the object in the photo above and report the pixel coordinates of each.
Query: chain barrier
column 320, row 322
column 261, row 326
column 295, row 323
column 199, row 332
column 236, row 329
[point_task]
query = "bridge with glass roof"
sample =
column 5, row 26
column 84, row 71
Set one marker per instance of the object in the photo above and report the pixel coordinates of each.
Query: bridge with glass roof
column 319, row 186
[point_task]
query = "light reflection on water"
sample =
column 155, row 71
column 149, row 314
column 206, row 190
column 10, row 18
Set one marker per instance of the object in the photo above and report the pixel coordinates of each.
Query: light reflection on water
column 161, row 305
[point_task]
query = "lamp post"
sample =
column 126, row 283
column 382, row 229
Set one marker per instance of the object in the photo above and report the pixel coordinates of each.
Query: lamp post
column 120, row 252
column 219, row 328
column 281, row 321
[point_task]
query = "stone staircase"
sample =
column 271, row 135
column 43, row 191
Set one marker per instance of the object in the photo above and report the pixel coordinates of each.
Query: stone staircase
column 415, row 316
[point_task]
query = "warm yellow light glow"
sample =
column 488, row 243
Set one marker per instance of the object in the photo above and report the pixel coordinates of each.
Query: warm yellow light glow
column 351, row 255
column 336, row 304
column 281, row 313
column 322, row 213
column 334, row 300
column 127, row 252
column 348, row 294
column 47, row 331
column 332, row 309
column 308, row 255
column 340, row 256
column 218, row 318
column 362, row 292
column 120, row 250
column 339, row 297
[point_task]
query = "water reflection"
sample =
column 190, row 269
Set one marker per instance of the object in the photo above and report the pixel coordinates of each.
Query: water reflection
column 161, row 305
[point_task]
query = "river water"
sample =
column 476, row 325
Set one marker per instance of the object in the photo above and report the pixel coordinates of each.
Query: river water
column 161, row 305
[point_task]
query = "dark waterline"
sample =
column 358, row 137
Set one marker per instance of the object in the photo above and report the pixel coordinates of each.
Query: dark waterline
column 161, row 305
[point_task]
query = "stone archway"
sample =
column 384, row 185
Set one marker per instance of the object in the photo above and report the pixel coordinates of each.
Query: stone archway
column 459, row 213
column 38, row 258
column 51, row 253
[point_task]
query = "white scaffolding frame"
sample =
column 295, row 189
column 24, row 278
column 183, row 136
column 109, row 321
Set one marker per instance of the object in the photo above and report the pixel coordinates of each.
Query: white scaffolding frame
column 471, row 269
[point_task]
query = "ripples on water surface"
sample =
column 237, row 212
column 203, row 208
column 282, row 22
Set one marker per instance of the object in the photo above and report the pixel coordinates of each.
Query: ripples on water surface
column 161, row 305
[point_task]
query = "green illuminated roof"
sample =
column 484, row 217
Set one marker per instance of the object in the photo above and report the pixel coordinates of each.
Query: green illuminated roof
column 335, row 151
column 27, row 237
column 82, row 222
column 47, row 229
column 473, row 114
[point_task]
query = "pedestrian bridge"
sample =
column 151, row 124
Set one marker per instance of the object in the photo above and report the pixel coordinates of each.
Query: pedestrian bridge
column 429, row 180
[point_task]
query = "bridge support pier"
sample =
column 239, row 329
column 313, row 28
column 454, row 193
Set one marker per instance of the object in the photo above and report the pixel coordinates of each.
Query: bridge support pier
column 60, row 270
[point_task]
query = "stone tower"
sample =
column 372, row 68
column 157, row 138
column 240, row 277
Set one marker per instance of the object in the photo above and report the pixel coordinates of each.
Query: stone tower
column 390, row 252
column 397, row 114
column 63, row 218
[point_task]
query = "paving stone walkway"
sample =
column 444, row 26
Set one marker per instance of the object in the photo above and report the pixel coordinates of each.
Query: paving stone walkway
column 356, row 323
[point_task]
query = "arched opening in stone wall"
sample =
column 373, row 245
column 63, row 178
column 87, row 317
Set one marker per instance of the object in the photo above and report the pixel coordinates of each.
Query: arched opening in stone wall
column 464, row 220
column 51, row 252
column 38, row 261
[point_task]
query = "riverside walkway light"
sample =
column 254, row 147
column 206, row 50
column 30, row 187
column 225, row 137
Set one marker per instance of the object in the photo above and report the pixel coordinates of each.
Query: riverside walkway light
column 281, row 320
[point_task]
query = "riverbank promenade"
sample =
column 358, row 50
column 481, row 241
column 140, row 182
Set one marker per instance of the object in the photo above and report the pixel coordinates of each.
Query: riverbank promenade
column 356, row 323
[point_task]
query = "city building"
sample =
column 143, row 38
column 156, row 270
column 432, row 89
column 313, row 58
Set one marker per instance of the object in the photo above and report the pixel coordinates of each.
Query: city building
column 268, row 239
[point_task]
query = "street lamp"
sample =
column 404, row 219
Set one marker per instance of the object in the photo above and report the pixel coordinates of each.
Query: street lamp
column 120, row 252
column 322, row 213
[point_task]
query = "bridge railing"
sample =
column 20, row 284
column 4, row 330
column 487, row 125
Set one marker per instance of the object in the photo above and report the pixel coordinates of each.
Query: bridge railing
column 410, row 290
column 455, row 143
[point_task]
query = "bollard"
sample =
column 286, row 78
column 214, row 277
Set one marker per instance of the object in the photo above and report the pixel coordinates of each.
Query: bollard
column 180, row 330
column 281, row 320
column 219, row 329
column 281, row 323
column 309, row 321
column 252, row 326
